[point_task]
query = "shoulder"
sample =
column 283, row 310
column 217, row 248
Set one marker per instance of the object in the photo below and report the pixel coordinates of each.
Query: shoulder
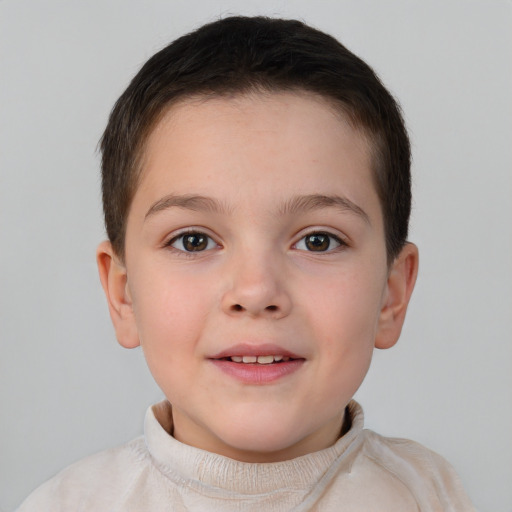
column 427, row 475
column 82, row 485
column 395, row 454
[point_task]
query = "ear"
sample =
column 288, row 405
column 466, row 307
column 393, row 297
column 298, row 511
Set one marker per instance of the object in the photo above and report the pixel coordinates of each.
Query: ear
column 114, row 280
column 400, row 284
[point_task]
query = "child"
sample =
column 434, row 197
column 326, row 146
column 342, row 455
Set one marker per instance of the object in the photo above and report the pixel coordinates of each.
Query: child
column 256, row 192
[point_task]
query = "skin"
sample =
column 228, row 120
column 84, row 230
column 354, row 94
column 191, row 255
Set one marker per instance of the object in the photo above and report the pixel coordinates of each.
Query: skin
column 257, row 281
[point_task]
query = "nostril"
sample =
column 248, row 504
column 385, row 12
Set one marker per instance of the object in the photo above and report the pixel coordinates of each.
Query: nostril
column 238, row 307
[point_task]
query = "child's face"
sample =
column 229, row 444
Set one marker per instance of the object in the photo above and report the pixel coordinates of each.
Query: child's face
column 255, row 231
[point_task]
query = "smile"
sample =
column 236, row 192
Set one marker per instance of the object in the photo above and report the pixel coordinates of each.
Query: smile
column 257, row 364
column 259, row 359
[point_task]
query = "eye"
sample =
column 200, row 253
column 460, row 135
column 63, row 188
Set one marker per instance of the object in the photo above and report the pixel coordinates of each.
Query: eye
column 319, row 242
column 193, row 241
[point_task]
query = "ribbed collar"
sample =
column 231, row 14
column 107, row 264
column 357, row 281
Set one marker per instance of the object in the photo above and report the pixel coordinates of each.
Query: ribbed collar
column 215, row 474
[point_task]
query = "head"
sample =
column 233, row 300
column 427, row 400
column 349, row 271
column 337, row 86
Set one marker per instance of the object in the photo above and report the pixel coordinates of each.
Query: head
column 250, row 254
column 239, row 55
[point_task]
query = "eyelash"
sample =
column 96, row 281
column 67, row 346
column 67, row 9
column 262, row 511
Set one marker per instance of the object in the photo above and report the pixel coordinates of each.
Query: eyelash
column 211, row 244
column 341, row 244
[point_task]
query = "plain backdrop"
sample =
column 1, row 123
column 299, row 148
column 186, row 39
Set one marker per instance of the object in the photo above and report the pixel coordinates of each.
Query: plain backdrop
column 67, row 389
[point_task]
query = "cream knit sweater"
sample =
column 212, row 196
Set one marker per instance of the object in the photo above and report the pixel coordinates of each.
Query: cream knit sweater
column 361, row 472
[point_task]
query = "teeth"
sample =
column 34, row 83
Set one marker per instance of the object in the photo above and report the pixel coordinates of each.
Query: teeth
column 259, row 359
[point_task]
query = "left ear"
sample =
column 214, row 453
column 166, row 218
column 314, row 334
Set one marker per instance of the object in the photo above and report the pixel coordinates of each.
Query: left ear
column 400, row 284
column 114, row 279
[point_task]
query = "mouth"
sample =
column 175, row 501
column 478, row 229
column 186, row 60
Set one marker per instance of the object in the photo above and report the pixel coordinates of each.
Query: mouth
column 269, row 359
column 257, row 364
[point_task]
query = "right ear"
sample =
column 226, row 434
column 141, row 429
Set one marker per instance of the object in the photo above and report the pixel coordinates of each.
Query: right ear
column 114, row 280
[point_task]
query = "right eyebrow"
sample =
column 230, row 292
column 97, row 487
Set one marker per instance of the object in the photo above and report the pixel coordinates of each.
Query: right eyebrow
column 318, row 201
column 189, row 202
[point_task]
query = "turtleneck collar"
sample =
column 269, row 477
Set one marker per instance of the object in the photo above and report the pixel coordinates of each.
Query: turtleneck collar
column 210, row 472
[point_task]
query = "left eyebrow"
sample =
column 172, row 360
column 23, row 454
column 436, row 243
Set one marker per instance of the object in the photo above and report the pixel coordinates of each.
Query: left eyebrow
column 188, row 202
column 318, row 201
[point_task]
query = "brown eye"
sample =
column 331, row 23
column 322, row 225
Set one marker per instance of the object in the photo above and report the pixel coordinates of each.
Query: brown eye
column 318, row 242
column 192, row 242
column 195, row 242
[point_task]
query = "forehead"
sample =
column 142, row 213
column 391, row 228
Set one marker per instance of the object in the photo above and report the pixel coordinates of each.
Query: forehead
column 295, row 143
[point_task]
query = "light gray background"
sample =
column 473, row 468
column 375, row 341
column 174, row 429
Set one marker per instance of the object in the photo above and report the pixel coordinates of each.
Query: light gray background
column 67, row 389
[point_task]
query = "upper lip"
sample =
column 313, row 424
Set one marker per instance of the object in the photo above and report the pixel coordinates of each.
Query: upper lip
column 248, row 349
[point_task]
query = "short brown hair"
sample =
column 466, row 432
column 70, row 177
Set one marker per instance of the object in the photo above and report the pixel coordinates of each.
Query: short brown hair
column 237, row 55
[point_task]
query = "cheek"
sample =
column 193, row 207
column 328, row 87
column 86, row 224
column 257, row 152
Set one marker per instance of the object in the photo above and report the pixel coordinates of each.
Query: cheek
column 170, row 310
column 344, row 315
column 348, row 303
column 168, row 316
column 347, row 320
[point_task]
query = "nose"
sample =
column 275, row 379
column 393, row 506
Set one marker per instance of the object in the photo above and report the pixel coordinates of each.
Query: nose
column 257, row 287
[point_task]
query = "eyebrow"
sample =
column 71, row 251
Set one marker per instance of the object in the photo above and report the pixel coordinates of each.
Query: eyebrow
column 318, row 201
column 189, row 202
column 293, row 206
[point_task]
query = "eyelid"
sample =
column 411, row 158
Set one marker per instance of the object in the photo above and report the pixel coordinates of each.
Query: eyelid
column 341, row 239
column 192, row 230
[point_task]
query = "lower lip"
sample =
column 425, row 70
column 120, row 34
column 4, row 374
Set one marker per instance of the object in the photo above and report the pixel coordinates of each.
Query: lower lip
column 254, row 373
